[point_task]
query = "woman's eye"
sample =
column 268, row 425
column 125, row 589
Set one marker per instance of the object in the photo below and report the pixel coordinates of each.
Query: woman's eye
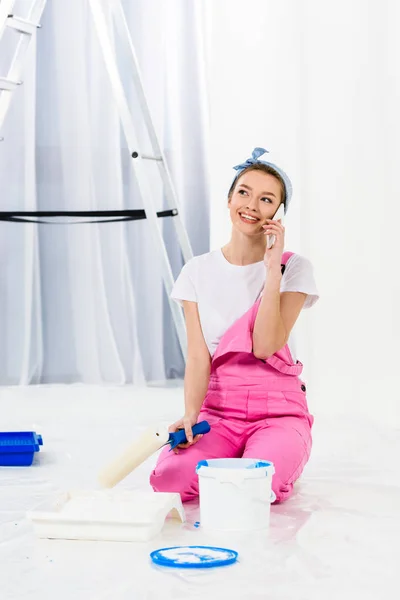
column 266, row 200
column 242, row 192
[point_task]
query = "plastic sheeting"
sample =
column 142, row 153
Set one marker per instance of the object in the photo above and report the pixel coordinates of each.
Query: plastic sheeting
column 337, row 537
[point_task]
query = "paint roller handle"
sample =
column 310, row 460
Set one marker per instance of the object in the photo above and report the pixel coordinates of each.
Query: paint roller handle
column 179, row 437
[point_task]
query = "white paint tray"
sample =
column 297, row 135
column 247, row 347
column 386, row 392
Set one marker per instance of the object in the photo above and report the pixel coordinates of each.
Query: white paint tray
column 106, row 515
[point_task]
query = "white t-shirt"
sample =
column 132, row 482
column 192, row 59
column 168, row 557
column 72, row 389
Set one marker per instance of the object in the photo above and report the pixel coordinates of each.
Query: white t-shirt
column 224, row 292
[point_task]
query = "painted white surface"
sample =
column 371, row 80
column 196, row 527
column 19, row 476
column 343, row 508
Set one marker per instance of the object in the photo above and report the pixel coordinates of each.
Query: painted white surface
column 336, row 538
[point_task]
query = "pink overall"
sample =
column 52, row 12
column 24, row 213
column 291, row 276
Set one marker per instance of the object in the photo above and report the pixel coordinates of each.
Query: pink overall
column 256, row 409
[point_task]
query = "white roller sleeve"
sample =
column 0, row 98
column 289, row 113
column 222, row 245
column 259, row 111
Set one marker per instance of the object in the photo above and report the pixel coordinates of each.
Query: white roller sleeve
column 148, row 443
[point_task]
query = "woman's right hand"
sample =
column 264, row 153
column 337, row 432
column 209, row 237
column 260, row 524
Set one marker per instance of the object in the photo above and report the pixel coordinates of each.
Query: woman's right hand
column 186, row 423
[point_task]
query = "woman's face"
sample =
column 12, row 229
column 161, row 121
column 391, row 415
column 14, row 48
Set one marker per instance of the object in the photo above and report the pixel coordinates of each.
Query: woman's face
column 256, row 198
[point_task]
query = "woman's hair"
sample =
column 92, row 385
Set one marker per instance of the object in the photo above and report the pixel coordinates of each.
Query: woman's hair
column 265, row 169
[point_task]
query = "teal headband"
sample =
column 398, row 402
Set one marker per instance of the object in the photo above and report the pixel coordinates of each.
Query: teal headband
column 254, row 160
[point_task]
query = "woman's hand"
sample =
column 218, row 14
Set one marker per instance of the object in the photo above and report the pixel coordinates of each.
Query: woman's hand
column 273, row 255
column 186, row 423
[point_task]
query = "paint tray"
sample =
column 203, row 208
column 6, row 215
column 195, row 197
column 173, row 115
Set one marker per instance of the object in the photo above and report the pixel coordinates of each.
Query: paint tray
column 106, row 515
column 17, row 448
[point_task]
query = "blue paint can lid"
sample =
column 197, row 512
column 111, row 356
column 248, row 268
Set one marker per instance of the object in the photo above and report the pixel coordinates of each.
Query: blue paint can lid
column 194, row 557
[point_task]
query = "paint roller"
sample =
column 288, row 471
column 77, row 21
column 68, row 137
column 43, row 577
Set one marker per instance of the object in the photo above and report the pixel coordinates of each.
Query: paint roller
column 149, row 442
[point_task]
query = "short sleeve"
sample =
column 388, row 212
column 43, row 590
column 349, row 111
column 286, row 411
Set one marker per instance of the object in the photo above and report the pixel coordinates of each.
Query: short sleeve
column 299, row 277
column 184, row 287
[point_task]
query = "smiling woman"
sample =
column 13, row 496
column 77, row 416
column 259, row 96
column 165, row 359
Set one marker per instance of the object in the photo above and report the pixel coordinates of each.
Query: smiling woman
column 241, row 303
column 249, row 201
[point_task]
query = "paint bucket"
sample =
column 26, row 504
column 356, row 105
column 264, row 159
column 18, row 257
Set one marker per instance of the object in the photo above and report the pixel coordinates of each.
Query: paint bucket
column 235, row 493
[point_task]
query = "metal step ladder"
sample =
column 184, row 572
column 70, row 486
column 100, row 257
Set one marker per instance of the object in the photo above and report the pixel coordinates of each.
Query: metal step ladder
column 27, row 28
column 139, row 159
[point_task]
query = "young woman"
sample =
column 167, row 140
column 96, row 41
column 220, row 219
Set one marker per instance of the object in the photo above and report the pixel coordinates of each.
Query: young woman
column 242, row 374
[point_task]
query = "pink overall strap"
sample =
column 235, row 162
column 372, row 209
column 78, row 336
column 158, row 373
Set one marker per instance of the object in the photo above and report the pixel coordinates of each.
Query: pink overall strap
column 239, row 338
column 254, row 308
column 284, row 260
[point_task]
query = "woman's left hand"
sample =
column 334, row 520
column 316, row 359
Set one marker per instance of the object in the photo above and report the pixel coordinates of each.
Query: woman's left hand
column 273, row 255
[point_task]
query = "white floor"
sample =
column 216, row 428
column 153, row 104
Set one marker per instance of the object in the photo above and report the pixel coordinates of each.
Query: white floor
column 337, row 538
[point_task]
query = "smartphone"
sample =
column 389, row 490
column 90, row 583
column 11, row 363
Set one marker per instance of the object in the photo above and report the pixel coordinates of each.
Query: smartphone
column 280, row 213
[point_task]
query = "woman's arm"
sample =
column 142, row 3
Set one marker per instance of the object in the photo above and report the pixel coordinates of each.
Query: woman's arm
column 197, row 372
column 278, row 312
column 276, row 317
column 198, row 363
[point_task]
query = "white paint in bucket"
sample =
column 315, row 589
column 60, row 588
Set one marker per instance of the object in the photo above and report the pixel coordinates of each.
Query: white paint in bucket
column 235, row 493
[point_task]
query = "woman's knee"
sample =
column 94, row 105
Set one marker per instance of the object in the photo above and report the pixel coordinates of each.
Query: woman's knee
column 169, row 476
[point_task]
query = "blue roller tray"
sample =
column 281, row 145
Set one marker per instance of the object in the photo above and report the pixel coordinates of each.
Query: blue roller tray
column 17, row 448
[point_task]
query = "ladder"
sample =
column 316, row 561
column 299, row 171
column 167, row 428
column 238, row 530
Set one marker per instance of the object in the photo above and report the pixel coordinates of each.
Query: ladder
column 138, row 158
column 27, row 28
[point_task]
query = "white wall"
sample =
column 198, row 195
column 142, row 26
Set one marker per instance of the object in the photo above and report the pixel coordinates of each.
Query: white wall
column 319, row 85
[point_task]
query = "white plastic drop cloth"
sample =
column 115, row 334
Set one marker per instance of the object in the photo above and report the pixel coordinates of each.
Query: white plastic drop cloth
column 338, row 537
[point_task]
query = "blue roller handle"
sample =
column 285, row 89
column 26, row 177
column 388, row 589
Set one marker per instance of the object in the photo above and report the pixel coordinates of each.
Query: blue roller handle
column 179, row 437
